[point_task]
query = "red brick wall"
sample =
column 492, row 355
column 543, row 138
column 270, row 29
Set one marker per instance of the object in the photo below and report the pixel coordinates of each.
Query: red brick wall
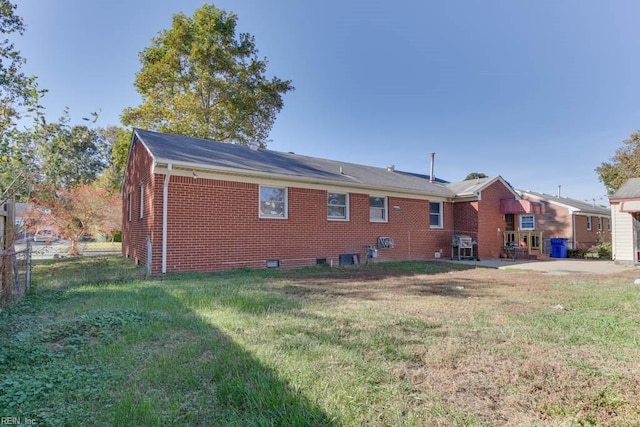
column 214, row 225
column 466, row 219
column 483, row 220
column 555, row 221
column 587, row 238
column 558, row 222
column 491, row 220
column 136, row 230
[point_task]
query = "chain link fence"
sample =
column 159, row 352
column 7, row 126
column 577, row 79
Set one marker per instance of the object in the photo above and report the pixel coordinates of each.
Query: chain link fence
column 15, row 274
column 59, row 248
column 15, row 265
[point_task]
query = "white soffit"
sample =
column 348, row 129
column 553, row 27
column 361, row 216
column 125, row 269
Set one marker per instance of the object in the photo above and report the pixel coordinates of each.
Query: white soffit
column 630, row 206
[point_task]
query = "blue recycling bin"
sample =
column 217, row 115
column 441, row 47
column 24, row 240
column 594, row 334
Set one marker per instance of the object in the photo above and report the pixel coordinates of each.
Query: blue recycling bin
column 558, row 248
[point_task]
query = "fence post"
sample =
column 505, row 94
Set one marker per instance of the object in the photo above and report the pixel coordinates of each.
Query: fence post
column 27, row 275
column 17, row 292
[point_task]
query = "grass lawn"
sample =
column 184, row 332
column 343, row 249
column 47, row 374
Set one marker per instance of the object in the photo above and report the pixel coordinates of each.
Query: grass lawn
column 101, row 246
column 398, row 344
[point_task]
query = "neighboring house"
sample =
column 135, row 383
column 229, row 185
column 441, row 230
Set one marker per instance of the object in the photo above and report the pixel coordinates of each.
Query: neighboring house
column 625, row 215
column 583, row 224
column 198, row 205
column 11, row 212
column 36, row 222
column 22, row 217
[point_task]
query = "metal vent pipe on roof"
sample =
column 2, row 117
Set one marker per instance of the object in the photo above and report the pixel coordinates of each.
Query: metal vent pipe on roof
column 433, row 156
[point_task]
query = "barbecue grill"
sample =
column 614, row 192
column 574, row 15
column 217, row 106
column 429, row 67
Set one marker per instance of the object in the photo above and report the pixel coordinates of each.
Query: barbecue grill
column 462, row 247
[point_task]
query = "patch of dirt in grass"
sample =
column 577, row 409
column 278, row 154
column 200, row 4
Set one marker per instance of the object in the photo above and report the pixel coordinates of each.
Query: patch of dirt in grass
column 387, row 285
column 504, row 390
column 482, row 360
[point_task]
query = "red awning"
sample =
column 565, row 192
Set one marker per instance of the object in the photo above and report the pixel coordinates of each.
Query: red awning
column 511, row 206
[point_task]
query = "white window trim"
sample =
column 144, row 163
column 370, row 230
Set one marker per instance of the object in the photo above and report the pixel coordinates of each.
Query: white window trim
column 141, row 200
column 589, row 223
column 600, row 223
column 520, row 227
column 346, row 208
column 286, row 203
column 440, row 216
column 386, row 209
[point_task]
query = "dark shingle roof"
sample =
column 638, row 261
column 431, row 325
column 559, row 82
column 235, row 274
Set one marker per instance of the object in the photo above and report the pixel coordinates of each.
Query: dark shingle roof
column 201, row 153
column 585, row 207
column 629, row 190
column 423, row 176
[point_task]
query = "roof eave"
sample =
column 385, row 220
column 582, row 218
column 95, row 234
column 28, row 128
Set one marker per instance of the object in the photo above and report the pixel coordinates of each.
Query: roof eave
column 259, row 174
column 134, row 137
column 570, row 208
column 474, row 193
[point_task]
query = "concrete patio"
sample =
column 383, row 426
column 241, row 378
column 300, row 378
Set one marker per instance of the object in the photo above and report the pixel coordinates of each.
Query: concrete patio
column 552, row 265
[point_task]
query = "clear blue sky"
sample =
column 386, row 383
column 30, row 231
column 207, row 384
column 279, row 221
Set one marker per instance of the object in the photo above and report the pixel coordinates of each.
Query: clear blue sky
column 540, row 92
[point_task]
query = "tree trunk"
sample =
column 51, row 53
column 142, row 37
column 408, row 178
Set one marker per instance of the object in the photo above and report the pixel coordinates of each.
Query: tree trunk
column 74, row 248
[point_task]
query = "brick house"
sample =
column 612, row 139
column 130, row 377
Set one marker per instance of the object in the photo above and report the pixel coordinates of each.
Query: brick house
column 198, row 205
column 478, row 211
column 583, row 224
column 625, row 215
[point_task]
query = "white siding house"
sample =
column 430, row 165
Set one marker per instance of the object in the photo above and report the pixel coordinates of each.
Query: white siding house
column 625, row 225
column 622, row 236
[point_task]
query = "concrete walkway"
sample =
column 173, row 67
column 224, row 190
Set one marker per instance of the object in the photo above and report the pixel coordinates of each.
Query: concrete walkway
column 553, row 265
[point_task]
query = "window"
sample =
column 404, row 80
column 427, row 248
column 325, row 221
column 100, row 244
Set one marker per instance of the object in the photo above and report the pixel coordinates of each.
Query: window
column 435, row 214
column 527, row 222
column 142, row 200
column 589, row 226
column 337, row 206
column 273, row 202
column 599, row 223
column 608, row 224
column 378, row 209
column 130, row 206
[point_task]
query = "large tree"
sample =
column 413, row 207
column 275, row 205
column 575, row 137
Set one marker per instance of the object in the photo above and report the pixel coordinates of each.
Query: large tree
column 117, row 140
column 19, row 95
column 76, row 212
column 201, row 79
column 69, row 155
column 18, row 92
column 623, row 165
column 475, row 175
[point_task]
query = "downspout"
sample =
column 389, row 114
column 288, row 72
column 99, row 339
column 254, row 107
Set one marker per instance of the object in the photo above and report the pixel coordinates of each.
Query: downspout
column 165, row 200
column 574, row 243
column 433, row 155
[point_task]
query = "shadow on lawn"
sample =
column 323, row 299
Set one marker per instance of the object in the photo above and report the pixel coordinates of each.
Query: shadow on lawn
column 196, row 374
column 156, row 362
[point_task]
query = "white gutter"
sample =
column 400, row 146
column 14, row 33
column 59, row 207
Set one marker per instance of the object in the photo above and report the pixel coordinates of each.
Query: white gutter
column 574, row 244
column 165, row 200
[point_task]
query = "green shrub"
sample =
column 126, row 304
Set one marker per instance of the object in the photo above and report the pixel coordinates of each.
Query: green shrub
column 601, row 250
